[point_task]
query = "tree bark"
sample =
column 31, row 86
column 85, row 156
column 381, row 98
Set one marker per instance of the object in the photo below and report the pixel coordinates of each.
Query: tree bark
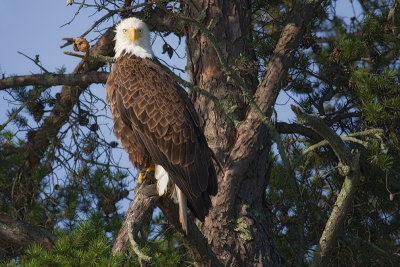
column 15, row 236
column 139, row 212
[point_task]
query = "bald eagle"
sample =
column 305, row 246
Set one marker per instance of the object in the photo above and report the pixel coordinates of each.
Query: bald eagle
column 157, row 123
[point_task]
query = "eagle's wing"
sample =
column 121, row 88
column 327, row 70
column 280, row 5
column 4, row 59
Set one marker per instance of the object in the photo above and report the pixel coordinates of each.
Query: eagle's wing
column 164, row 121
column 138, row 155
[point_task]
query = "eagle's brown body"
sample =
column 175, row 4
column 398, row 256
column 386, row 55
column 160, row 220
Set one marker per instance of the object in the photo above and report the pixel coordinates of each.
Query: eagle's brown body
column 156, row 122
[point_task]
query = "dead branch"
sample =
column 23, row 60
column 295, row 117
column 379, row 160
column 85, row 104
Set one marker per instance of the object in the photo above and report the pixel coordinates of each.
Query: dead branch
column 52, row 79
column 35, row 61
column 78, row 44
column 74, row 54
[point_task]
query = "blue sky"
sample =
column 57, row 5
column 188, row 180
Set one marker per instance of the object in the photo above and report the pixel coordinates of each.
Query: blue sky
column 33, row 27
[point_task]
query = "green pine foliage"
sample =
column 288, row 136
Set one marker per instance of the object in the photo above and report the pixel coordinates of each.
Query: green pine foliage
column 90, row 245
column 87, row 245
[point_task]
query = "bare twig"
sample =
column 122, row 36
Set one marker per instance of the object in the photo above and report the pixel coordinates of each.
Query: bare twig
column 36, row 61
column 15, row 113
column 76, row 13
column 73, row 54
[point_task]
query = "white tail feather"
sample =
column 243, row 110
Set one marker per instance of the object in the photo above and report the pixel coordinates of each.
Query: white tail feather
column 162, row 185
column 182, row 202
column 162, row 180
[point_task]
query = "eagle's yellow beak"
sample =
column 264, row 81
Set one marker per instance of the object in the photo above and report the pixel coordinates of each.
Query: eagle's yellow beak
column 132, row 34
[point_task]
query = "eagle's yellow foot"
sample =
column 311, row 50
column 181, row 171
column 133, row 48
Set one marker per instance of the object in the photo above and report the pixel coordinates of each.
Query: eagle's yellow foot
column 144, row 172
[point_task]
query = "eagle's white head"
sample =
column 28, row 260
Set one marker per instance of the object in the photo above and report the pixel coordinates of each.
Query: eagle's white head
column 132, row 37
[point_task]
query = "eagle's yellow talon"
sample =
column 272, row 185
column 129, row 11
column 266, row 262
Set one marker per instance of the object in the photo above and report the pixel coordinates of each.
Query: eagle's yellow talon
column 152, row 168
column 143, row 173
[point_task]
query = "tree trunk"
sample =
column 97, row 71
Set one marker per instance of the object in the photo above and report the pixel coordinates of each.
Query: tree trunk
column 238, row 227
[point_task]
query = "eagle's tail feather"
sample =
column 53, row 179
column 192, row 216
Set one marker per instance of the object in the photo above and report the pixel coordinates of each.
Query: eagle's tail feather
column 182, row 202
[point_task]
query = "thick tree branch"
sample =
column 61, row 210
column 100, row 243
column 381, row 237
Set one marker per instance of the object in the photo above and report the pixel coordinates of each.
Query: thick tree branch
column 16, row 235
column 350, row 168
column 139, row 212
column 52, row 79
column 281, row 59
column 194, row 241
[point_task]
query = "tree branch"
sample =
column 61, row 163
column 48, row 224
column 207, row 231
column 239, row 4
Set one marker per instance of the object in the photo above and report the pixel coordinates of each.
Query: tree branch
column 350, row 169
column 327, row 133
column 52, row 79
column 194, row 241
column 16, row 235
column 139, row 212
column 295, row 128
column 281, row 59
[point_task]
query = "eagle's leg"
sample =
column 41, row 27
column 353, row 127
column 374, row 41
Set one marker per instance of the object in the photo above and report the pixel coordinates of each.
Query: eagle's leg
column 143, row 173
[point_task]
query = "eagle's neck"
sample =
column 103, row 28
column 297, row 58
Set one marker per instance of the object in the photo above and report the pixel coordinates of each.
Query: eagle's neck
column 143, row 51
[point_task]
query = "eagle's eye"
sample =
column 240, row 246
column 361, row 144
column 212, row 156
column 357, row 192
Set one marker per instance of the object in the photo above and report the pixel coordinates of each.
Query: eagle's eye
column 124, row 30
column 140, row 30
